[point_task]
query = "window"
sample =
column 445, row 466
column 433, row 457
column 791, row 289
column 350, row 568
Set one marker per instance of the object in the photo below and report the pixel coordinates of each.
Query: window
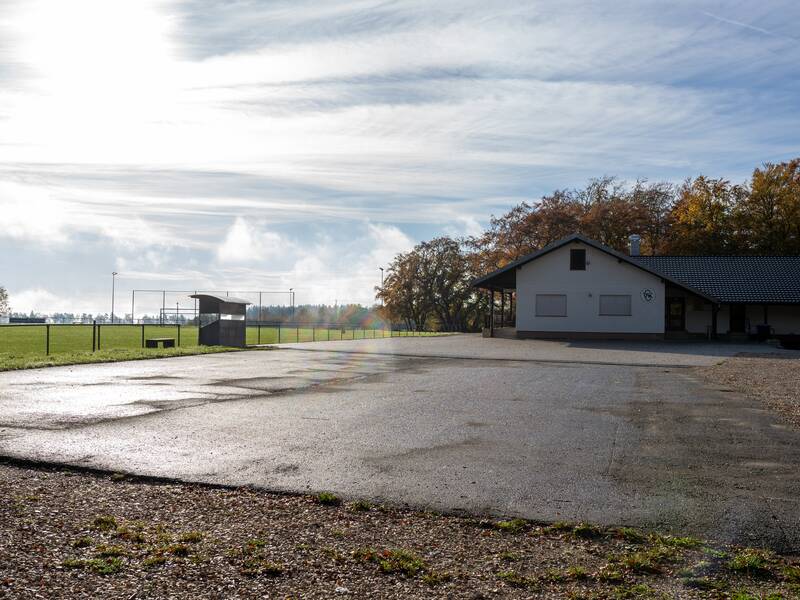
column 615, row 306
column 551, row 305
column 577, row 259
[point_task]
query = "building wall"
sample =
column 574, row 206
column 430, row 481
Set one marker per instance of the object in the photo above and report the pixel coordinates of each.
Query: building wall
column 604, row 274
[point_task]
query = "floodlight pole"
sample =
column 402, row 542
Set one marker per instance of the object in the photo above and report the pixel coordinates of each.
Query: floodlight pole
column 113, row 282
column 291, row 300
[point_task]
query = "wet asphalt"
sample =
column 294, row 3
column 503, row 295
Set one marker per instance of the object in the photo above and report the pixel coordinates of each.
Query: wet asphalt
column 642, row 443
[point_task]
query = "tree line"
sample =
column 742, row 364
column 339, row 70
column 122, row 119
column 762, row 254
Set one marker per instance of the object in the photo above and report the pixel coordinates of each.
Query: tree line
column 429, row 287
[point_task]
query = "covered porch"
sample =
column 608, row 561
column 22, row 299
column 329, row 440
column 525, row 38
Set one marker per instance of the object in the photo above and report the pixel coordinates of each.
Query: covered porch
column 501, row 320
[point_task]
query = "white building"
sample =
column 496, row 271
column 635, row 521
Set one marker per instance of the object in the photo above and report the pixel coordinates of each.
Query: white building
column 577, row 287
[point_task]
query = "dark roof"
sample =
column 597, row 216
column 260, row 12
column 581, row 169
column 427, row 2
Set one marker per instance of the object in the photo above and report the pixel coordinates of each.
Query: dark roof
column 747, row 279
column 230, row 299
column 507, row 276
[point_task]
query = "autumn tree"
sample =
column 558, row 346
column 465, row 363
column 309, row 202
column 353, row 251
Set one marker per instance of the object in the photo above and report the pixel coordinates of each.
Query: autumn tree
column 402, row 294
column 431, row 286
column 5, row 308
column 768, row 218
column 702, row 218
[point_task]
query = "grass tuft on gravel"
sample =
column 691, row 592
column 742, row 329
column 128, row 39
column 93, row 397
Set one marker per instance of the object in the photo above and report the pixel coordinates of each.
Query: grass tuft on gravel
column 328, row 499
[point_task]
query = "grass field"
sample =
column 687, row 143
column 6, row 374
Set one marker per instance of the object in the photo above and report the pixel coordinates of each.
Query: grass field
column 21, row 341
column 12, row 362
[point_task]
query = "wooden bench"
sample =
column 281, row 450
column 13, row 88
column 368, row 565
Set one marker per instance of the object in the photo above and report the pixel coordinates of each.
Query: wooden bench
column 154, row 342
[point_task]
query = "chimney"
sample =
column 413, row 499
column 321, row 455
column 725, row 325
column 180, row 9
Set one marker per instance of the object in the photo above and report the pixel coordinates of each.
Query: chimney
column 633, row 244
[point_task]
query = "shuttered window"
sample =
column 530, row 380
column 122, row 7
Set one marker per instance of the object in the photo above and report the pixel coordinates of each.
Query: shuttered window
column 551, row 305
column 615, row 305
column 577, row 259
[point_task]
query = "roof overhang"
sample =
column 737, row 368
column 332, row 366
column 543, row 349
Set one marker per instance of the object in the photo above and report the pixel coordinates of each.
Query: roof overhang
column 229, row 299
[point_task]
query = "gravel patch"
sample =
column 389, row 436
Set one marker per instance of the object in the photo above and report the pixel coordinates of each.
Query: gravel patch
column 69, row 534
column 774, row 380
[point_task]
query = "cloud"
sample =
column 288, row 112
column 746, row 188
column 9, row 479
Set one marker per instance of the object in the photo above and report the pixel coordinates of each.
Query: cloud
column 30, row 213
column 246, row 242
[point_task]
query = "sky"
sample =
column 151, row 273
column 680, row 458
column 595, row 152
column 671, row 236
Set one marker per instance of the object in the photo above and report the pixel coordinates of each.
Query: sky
column 246, row 145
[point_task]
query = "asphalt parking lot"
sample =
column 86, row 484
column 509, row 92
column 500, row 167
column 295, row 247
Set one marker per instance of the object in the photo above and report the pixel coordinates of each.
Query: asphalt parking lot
column 611, row 433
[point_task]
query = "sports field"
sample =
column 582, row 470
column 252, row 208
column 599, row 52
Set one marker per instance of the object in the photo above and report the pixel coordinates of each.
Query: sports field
column 52, row 339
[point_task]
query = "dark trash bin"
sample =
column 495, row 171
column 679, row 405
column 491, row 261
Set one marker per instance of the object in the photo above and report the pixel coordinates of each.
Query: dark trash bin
column 763, row 332
column 222, row 320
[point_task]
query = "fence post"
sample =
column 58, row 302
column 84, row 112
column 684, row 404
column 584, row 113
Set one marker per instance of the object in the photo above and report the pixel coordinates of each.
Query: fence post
column 142, row 335
column 94, row 334
column 297, row 334
column 47, row 340
column 259, row 322
column 179, row 335
column 98, row 336
column 279, row 333
column 313, row 333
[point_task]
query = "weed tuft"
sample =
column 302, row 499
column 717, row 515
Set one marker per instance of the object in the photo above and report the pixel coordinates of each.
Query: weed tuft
column 328, row 499
column 360, row 506
column 434, row 578
column 400, row 561
column 154, row 561
column 751, row 561
column 179, row 550
column 791, row 574
column 587, row 531
column 104, row 566
column 191, row 537
column 513, row 578
column 512, row 526
column 105, row 551
column 577, row 573
column 82, row 542
column 104, row 523
column 629, row 534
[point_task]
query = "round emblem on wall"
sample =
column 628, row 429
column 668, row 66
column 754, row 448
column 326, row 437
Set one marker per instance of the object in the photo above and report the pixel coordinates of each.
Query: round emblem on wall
column 648, row 295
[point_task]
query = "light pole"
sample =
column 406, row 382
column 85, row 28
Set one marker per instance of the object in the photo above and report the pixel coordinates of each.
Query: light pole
column 291, row 299
column 113, row 282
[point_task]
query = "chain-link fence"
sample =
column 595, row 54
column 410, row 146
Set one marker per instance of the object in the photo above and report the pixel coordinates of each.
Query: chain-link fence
column 53, row 338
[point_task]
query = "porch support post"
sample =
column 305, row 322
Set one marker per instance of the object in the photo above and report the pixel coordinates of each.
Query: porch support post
column 714, row 312
column 502, row 308
column 491, row 312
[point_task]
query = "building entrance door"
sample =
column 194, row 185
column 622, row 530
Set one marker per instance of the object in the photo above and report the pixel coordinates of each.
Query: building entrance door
column 737, row 318
column 676, row 314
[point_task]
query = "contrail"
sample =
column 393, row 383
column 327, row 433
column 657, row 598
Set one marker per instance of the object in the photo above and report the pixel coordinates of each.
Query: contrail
column 747, row 26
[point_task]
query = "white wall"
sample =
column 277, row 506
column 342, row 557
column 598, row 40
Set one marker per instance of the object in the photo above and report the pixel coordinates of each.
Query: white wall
column 604, row 274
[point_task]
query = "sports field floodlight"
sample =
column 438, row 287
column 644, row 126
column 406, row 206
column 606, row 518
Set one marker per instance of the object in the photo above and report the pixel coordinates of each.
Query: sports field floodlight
column 113, row 281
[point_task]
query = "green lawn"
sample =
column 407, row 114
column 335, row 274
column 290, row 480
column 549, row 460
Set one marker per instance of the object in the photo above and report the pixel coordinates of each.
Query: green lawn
column 10, row 362
column 16, row 341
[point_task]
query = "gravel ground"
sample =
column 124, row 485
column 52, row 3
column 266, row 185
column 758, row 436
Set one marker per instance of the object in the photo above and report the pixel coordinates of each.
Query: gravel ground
column 69, row 534
column 775, row 380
